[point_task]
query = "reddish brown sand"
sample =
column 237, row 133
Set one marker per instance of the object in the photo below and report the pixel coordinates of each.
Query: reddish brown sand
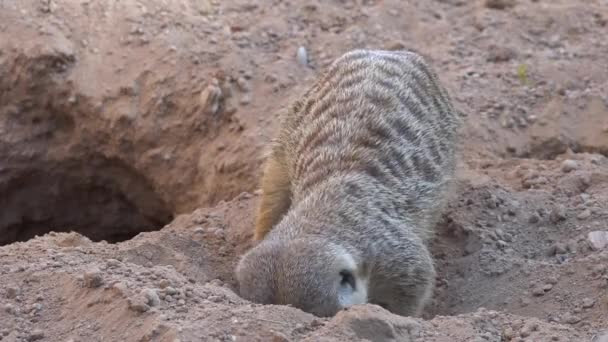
column 122, row 117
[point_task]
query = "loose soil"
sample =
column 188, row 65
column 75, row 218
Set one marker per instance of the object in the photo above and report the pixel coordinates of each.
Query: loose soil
column 132, row 132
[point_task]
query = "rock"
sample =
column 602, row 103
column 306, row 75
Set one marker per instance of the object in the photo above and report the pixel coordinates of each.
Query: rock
column 551, row 280
column 538, row 291
column 139, row 303
column 170, row 291
column 557, row 215
column 598, row 239
column 302, row 56
column 151, row 297
column 164, row 283
column 569, row 165
column 528, row 328
column 243, row 85
column 139, row 306
column 557, row 249
column 212, row 96
column 12, row 292
column 92, row 278
column 371, row 322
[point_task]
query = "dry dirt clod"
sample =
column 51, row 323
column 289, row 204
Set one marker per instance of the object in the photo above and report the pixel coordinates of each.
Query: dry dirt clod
column 571, row 318
column 35, row 335
column 588, row 303
column 500, row 54
column 92, row 278
column 151, row 297
column 569, row 165
column 11, row 309
column 164, row 283
column 499, row 4
column 111, row 263
column 211, row 97
column 557, row 215
column 12, row 292
column 583, row 215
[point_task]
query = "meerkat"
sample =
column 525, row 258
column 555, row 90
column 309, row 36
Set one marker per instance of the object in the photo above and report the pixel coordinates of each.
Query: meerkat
column 354, row 183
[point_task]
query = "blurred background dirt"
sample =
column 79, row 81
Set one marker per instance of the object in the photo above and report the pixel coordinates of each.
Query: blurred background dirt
column 131, row 135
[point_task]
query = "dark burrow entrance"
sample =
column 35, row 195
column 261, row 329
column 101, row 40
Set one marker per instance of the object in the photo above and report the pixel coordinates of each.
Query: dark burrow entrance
column 103, row 199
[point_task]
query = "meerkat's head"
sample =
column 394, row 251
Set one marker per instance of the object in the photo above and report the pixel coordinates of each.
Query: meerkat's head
column 315, row 276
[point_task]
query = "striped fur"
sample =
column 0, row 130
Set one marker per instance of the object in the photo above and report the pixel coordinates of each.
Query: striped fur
column 361, row 165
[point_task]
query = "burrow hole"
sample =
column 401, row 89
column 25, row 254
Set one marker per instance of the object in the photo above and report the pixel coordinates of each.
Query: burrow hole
column 101, row 198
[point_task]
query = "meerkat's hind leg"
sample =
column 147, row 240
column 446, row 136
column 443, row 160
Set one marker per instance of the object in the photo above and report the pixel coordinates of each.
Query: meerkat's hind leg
column 276, row 197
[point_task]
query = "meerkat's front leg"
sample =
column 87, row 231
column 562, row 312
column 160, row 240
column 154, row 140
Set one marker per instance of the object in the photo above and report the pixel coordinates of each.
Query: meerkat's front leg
column 276, row 197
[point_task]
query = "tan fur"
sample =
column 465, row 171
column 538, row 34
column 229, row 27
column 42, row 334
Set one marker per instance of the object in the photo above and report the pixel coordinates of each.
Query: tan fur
column 276, row 194
column 353, row 187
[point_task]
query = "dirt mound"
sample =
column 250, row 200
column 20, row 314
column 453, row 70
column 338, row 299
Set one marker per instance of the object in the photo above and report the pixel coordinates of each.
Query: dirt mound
column 136, row 129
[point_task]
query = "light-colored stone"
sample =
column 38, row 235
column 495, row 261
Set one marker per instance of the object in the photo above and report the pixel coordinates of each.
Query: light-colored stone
column 598, row 239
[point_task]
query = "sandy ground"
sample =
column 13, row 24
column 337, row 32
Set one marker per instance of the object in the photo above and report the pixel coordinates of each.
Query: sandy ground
column 118, row 119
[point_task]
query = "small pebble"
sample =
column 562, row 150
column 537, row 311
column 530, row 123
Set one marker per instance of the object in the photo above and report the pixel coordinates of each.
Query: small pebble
column 508, row 334
column 302, row 56
column 527, row 329
column 36, row 335
column 598, row 239
column 170, row 291
column 139, row 306
column 551, row 280
column 111, row 263
column 557, row 214
column 36, row 307
column 588, row 303
column 534, row 218
column 538, row 291
column 557, row 249
column 243, row 84
column 569, row 165
column 583, row 215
